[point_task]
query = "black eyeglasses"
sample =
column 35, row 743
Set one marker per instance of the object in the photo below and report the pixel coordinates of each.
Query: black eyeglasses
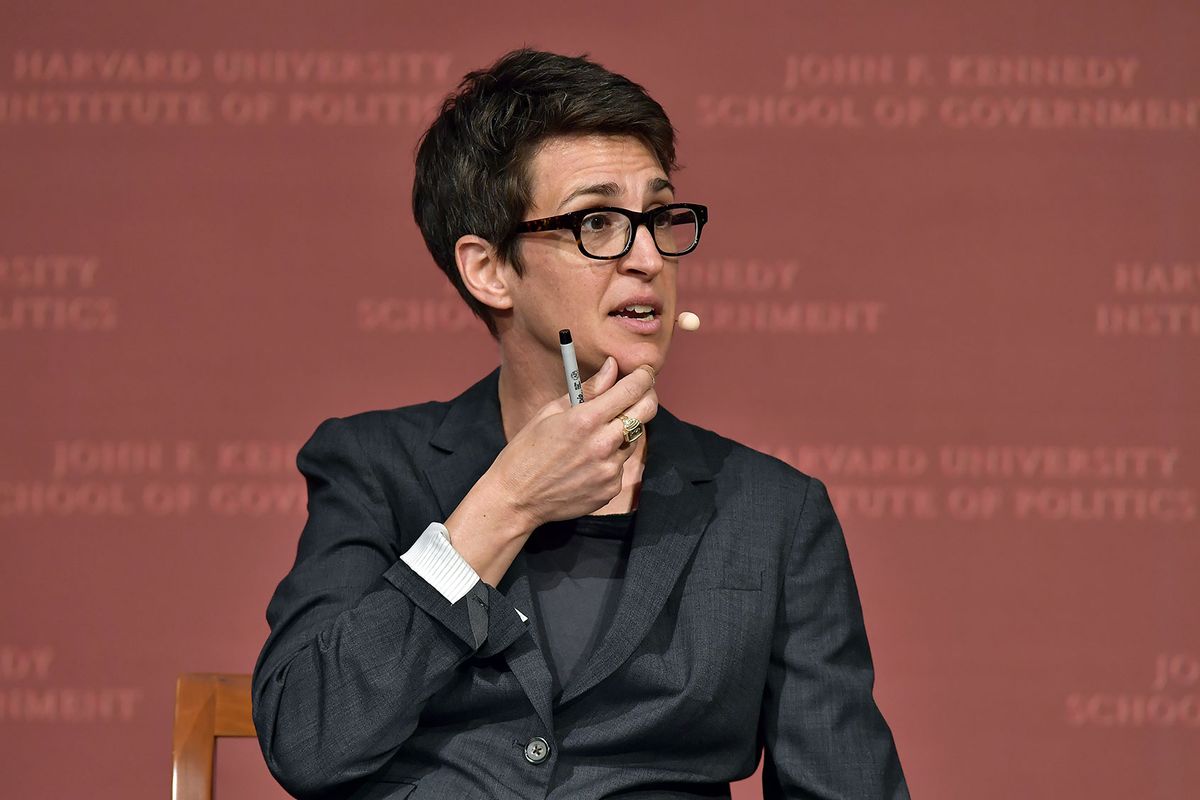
column 607, row 233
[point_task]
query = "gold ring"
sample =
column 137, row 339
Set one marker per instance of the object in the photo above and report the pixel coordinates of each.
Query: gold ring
column 633, row 428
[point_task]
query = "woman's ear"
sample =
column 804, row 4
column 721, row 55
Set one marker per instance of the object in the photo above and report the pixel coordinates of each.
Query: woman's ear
column 483, row 272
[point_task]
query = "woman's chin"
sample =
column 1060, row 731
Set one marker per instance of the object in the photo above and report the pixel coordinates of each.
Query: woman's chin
column 630, row 358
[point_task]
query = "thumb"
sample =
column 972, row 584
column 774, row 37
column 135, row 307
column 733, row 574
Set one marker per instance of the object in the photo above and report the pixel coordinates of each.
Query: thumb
column 602, row 381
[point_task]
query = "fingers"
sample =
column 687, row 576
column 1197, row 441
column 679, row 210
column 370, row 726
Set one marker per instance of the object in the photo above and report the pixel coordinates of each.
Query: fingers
column 623, row 394
column 570, row 460
column 602, row 381
column 643, row 410
column 608, row 396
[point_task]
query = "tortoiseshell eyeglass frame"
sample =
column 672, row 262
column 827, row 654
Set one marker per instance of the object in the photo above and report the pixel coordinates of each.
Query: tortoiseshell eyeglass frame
column 574, row 223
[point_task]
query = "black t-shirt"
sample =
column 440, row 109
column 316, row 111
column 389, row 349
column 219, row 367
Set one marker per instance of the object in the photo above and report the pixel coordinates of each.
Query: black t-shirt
column 576, row 570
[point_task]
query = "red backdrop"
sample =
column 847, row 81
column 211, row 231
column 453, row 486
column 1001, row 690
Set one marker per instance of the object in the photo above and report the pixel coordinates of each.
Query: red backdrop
column 953, row 269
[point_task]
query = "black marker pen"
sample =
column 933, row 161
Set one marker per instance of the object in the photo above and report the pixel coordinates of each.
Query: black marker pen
column 570, row 367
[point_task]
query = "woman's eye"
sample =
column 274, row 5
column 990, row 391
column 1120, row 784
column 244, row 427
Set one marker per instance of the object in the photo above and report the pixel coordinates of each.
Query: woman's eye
column 596, row 223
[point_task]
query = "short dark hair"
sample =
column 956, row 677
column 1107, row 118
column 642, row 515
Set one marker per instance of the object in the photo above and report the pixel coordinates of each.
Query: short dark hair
column 472, row 171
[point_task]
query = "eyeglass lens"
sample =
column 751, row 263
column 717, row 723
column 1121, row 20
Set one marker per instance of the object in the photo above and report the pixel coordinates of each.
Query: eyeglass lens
column 605, row 234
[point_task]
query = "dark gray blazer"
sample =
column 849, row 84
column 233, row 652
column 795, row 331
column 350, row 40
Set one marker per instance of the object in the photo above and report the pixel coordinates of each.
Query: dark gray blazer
column 738, row 627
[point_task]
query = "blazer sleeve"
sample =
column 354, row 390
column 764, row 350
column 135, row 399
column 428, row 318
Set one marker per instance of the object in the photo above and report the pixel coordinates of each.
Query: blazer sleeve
column 358, row 642
column 823, row 733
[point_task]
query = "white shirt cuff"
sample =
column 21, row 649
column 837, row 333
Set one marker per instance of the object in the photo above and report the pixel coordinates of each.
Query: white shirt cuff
column 435, row 559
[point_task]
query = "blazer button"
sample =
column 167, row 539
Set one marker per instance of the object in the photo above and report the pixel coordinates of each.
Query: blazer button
column 537, row 751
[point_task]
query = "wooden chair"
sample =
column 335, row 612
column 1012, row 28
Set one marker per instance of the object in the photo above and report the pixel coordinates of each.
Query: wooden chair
column 207, row 705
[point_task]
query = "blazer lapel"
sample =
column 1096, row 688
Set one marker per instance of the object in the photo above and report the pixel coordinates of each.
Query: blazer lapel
column 468, row 440
column 674, row 507
column 525, row 655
